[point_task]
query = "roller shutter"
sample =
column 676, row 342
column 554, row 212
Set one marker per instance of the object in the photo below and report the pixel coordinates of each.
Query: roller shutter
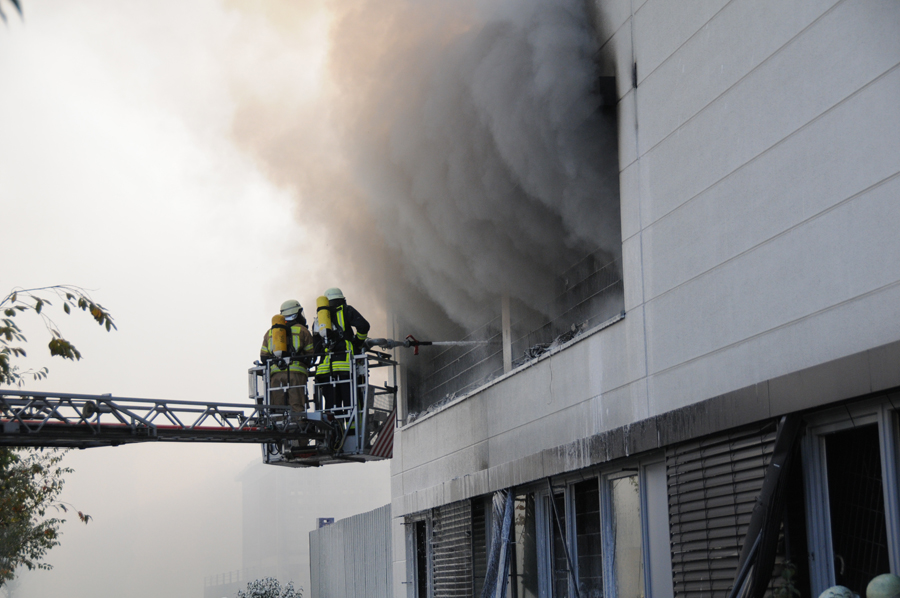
column 451, row 542
column 713, row 484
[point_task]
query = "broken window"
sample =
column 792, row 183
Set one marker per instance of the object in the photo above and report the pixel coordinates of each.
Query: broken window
column 850, row 472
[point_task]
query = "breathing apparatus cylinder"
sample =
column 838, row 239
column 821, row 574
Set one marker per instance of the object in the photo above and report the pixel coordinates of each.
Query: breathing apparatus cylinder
column 323, row 315
column 279, row 336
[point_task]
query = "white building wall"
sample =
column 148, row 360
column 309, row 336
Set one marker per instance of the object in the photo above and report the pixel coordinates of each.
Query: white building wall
column 352, row 557
column 760, row 193
column 768, row 197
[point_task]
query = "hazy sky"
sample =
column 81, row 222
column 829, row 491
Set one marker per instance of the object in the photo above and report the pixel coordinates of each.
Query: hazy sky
column 119, row 173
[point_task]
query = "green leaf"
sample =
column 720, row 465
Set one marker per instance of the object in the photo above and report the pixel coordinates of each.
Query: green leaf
column 66, row 307
column 38, row 305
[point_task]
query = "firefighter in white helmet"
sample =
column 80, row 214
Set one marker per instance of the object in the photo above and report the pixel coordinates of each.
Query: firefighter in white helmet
column 346, row 338
column 289, row 377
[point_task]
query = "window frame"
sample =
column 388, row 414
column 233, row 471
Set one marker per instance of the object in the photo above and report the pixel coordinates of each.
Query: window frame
column 626, row 470
column 412, row 585
column 602, row 476
column 815, row 478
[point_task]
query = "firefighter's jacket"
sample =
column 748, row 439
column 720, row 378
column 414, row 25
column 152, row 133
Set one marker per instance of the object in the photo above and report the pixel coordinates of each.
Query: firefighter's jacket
column 344, row 319
column 301, row 344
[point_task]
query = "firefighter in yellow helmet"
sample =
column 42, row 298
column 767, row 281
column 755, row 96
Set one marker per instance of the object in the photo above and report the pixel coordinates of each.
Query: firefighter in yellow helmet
column 289, row 377
column 347, row 337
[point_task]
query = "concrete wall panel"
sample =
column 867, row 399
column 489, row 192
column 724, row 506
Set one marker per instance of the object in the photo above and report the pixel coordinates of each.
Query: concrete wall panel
column 845, row 252
column 617, row 355
column 741, row 36
column 628, row 151
column 785, row 186
column 630, row 195
column 828, row 335
column 662, row 26
column 632, row 272
column 797, row 84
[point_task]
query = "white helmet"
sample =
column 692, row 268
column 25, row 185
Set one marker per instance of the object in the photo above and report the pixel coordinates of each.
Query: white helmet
column 886, row 585
column 291, row 307
column 334, row 293
column 838, row 592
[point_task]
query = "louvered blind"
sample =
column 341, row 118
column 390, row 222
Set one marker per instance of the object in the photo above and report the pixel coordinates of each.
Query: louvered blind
column 451, row 543
column 713, row 484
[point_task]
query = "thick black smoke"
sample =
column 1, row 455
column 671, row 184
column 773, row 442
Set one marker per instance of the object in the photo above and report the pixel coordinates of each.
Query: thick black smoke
column 469, row 154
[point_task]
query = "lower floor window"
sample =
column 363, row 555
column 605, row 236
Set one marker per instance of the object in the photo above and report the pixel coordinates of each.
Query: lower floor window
column 850, row 471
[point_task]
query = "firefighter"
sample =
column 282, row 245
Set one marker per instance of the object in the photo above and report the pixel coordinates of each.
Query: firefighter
column 347, row 337
column 292, row 375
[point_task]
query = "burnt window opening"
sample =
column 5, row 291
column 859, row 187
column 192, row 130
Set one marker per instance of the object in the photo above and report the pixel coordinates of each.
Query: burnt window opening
column 585, row 292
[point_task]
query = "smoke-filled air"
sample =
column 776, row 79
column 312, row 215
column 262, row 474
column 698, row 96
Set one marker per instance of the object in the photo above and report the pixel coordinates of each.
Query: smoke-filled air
column 459, row 150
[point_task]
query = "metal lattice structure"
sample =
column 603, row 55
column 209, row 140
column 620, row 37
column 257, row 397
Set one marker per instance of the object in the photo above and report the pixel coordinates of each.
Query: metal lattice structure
column 590, row 293
column 82, row 421
column 362, row 431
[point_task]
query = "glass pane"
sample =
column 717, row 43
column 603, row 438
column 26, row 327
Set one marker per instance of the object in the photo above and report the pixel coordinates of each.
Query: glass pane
column 626, row 525
column 523, row 565
column 856, row 496
column 587, row 538
column 558, row 564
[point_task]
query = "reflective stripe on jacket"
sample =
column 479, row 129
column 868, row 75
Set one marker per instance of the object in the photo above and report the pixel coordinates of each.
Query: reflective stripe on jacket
column 346, row 318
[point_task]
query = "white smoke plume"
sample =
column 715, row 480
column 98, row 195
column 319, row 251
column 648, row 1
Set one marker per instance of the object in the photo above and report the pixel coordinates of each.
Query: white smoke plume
column 458, row 152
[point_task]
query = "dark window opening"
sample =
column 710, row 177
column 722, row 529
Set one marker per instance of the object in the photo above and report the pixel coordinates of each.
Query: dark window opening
column 856, row 497
column 421, row 560
column 479, row 543
column 791, row 570
column 574, row 286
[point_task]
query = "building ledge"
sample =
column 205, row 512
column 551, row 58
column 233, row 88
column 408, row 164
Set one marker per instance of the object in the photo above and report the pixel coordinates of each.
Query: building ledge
column 547, row 355
column 867, row 373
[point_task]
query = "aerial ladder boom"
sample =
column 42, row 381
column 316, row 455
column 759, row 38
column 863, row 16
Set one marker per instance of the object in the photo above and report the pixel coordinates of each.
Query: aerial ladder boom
column 81, row 421
column 362, row 431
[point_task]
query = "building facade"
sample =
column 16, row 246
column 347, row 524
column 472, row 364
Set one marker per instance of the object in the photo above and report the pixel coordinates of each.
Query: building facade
column 759, row 158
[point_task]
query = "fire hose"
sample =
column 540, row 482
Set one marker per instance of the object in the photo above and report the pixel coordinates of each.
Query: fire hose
column 411, row 341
